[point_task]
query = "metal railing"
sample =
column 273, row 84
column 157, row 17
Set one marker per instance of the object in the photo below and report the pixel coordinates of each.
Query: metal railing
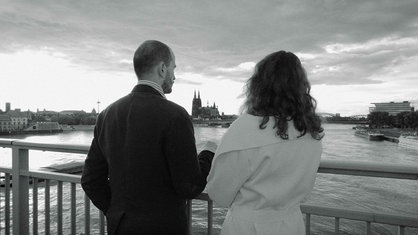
column 368, row 169
column 22, row 176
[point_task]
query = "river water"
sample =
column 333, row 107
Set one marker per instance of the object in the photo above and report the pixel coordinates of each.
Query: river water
column 339, row 143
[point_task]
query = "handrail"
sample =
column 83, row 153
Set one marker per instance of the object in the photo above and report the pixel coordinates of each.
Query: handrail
column 359, row 168
column 371, row 169
column 20, row 156
column 66, row 148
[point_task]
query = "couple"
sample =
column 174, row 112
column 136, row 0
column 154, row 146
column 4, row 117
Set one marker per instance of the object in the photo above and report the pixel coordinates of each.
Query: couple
column 143, row 164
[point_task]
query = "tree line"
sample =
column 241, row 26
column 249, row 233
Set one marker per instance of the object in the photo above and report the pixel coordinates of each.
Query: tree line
column 404, row 120
column 79, row 118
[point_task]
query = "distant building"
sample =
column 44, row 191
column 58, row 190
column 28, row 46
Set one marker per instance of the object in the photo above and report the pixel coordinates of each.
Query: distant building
column 199, row 112
column 71, row 112
column 5, row 123
column 20, row 120
column 8, row 107
column 45, row 115
column 393, row 108
column 196, row 105
column 46, row 112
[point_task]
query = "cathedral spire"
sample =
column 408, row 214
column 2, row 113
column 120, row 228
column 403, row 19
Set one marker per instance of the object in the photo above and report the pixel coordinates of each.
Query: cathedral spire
column 194, row 94
column 198, row 95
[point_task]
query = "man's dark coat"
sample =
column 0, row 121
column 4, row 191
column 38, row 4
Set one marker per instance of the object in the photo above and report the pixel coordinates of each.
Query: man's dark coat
column 142, row 165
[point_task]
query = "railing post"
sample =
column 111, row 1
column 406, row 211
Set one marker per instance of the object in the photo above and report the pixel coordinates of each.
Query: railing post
column 308, row 224
column 59, row 208
column 35, row 206
column 102, row 223
column 20, row 191
column 189, row 217
column 401, row 230
column 87, row 215
column 368, row 228
column 210, row 216
column 47, row 207
column 7, row 206
column 337, row 226
column 73, row 209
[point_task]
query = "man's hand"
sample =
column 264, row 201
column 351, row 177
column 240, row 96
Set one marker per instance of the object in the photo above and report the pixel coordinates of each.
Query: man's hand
column 210, row 146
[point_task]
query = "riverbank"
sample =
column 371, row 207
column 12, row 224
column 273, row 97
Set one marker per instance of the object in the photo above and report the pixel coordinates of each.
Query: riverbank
column 77, row 127
column 61, row 128
column 26, row 132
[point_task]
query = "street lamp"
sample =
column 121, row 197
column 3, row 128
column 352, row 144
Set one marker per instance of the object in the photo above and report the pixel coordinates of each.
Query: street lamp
column 98, row 107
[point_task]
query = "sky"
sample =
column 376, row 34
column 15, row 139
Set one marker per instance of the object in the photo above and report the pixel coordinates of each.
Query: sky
column 70, row 55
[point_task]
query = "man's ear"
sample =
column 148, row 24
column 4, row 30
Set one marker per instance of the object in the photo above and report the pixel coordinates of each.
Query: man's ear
column 162, row 69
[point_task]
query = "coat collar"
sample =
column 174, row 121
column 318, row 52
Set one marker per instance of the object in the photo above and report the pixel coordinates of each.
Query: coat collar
column 244, row 133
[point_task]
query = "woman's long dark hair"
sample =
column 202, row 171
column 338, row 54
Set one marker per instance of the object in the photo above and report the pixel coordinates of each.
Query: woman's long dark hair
column 279, row 87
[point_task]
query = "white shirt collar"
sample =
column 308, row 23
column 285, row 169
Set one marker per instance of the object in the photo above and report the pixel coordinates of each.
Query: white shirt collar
column 154, row 85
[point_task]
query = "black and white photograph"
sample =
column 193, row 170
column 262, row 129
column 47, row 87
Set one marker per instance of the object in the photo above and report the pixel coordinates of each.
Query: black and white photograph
column 209, row 117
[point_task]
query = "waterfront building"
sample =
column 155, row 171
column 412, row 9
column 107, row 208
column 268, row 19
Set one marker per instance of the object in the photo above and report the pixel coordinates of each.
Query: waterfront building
column 47, row 127
column 5, row 123
column 393, row 108
column 199, row 112
column 20, row 120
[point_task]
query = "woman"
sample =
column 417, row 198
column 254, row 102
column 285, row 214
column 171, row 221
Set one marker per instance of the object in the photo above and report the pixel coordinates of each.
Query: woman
column 267, row 161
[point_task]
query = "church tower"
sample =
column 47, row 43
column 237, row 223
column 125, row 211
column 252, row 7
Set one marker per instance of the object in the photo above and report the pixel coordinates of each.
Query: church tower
column 196, row 105
column 199, row 101
column 207, row 112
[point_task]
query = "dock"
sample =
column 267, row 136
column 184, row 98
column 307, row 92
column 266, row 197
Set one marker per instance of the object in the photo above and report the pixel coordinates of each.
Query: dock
column 391, row 135
column 68, row 168
column 391, row 139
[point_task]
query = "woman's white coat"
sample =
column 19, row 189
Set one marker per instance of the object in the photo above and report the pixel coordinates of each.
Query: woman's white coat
column 262, row 178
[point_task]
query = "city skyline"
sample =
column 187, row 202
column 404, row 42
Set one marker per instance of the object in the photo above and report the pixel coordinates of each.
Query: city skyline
column 8, row 106
column 70, row 55
column 377, row 106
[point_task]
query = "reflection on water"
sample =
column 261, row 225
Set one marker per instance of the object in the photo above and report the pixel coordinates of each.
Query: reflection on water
column 339, row 143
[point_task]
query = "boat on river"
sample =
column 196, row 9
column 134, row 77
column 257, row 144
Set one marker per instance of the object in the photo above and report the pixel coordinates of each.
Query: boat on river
column 369, row 134
column 408, row 141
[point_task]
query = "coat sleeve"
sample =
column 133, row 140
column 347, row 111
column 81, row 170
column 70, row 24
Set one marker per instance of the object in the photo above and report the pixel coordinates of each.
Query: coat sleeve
column 229, row 172
column 187, row 169
column 95, row 176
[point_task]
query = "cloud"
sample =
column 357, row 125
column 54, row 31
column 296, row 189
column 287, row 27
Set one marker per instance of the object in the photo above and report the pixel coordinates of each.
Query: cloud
column 340, row 43
column 240, row 72
column 243, row 67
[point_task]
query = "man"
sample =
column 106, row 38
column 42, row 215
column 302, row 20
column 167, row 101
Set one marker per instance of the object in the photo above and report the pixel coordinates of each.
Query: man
column 142, row 164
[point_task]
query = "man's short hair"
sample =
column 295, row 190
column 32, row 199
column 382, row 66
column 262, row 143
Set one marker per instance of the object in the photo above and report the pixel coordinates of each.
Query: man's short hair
column 149, row 54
